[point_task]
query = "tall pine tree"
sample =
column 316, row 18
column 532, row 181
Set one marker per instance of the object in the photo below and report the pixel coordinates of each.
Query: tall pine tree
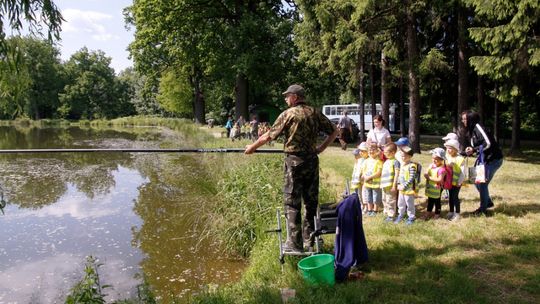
column 511, row 44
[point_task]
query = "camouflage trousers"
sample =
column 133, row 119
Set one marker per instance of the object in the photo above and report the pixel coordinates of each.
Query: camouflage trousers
column 301, row 183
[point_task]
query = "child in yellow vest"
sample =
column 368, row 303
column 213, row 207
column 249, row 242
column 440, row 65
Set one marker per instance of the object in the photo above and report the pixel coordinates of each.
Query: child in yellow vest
column 407, row 186
column 389, row 178
column 458, row 167
column 371, row 174
column 360, row 155
column 401, row 143
column 434, row 179
column 245, row 130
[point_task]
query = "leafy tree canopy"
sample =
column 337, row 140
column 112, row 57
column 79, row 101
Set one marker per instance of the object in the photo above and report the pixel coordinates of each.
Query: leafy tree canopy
column 36, row 14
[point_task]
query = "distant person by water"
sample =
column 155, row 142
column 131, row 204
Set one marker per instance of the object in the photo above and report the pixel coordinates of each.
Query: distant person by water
column 229, row 126
column 254, row 128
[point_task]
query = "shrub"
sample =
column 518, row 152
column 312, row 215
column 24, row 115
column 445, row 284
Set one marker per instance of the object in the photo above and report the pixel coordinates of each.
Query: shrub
column 430, row 124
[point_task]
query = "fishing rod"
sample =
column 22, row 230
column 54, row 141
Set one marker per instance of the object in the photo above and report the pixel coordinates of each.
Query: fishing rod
column 136, row 150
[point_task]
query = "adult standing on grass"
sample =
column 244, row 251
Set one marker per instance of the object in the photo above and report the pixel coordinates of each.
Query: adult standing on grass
column 300, row 124
column 229, row 126
column 254, row 128
column 493, row 157
column 345, row 130
column 378, row 134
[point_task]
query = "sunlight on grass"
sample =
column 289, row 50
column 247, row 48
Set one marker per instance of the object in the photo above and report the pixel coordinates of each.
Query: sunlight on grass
column 499, row 254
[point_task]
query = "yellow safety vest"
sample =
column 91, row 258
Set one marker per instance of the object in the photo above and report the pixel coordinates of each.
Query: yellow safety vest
column 370, row 167
column 405, row 175
column 357, row 170
column 388, row 173
column 456, row 167
column 433, row 189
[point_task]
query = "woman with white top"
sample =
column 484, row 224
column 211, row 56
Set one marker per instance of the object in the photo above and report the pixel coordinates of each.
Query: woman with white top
column 379, row 134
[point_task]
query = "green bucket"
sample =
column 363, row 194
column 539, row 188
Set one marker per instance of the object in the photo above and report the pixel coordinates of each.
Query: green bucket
column 318, row 269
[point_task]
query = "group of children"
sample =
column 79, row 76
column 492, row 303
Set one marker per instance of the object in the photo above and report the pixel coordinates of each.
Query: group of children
column 242, row 129
column 390, row 178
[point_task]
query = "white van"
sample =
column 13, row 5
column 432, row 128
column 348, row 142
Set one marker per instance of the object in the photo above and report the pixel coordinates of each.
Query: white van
column 336, row 111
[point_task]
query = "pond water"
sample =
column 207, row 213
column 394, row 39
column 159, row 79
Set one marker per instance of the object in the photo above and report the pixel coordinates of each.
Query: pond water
column 137, row 213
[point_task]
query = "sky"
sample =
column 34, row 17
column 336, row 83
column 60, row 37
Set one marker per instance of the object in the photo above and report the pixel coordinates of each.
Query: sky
column 98, row 25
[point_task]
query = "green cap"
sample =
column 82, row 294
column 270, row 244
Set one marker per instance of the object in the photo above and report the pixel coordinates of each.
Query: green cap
column 295, row 89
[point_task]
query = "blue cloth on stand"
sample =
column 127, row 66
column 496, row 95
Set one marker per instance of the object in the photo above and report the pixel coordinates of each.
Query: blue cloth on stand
column 350, row 247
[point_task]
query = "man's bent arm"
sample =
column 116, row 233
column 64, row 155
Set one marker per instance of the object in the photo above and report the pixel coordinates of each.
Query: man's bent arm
column 328, row 140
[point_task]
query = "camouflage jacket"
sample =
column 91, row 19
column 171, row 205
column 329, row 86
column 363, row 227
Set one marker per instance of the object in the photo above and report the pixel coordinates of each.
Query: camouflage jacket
column 301, row 125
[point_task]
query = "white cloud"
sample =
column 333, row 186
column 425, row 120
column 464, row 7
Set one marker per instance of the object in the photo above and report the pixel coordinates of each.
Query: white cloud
column 97, row 25
column 105, row 37
column 88, row 22
column 77, row 205
column 43, row 280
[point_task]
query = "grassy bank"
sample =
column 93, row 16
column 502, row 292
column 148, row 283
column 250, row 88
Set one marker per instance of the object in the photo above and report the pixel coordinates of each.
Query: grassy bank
column 492, row 259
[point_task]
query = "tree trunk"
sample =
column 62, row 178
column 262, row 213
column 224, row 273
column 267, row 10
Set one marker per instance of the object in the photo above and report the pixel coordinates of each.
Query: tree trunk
column 515, row 147
column 463, row 63
column 361, row 101
column 241, row 90
column 520, row 81
column 481, row 97
column 401, row 108
column 414, row 93
column 496, row 121
column 199, row 104
column 372, row 91
column 35, row 111
column 385, row 101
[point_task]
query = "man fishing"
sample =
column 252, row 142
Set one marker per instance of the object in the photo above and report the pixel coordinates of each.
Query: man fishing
column 300, row 124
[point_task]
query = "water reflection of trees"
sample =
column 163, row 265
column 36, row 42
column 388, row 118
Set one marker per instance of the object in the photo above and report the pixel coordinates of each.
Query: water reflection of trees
column 37, row 180
column 21, row 137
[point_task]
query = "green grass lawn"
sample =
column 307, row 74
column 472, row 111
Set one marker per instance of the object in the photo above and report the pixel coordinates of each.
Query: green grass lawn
column 477, row 259
column 493, row 259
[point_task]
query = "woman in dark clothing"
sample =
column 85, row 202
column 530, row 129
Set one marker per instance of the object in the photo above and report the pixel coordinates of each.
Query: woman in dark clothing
column 493, row 157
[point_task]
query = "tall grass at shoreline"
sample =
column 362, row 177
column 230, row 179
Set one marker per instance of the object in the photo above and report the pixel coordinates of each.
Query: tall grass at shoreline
column 249, row 191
